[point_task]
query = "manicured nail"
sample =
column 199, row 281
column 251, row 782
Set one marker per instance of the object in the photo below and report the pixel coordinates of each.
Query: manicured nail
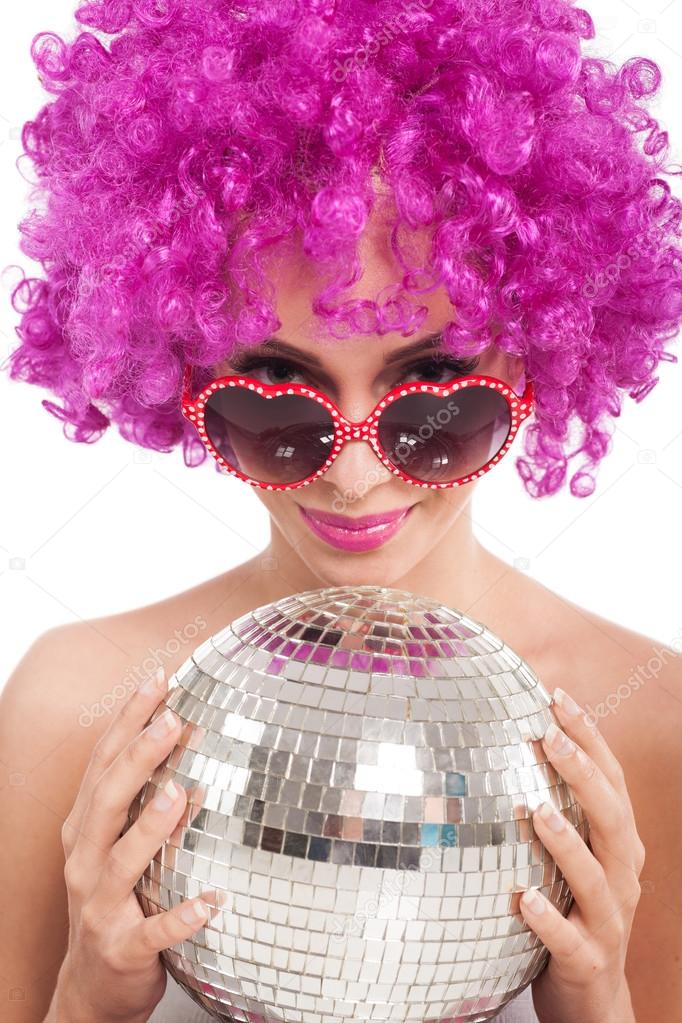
column 567, row 703
column 165, row 797
column 153, row 684
column 533, row 901
column 558, row 740
column 160, row 728
column 555, row 821
column 193, row 912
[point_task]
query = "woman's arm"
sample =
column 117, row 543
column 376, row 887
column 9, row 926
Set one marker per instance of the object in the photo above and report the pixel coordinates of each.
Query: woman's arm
column 44, row 754
column 81, row 756
column 654, row 726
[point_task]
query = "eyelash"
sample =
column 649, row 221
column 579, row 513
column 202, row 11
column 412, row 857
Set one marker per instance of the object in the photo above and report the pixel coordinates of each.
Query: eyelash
column 459, row 367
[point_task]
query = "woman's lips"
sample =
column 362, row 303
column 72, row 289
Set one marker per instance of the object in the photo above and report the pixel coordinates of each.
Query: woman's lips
column 355, row 534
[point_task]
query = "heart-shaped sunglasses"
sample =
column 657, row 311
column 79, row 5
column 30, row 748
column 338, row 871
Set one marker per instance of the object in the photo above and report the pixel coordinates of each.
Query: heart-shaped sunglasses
column 284, row 436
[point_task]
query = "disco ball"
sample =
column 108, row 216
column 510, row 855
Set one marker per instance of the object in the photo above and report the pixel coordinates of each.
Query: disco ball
column 362, row 765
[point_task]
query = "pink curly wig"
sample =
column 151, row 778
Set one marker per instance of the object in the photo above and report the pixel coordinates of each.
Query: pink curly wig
column 204, row 131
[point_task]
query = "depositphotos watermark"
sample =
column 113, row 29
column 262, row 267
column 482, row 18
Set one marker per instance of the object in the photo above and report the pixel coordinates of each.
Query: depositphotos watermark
column 137, row 674
column 636, row 680
column 385, row 35
column 402, row 451
column 137, row 247
column 612, row 271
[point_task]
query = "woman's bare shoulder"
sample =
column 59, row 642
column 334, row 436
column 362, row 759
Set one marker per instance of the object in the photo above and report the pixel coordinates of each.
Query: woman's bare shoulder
column 584, row 652
column 615, row 665
column 629, row 682
column 81, row 671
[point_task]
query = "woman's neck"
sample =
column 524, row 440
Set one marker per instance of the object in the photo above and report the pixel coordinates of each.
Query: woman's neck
column 458, row 571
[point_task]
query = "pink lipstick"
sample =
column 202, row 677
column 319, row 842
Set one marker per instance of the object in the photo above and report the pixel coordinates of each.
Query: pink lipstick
column 355, row 533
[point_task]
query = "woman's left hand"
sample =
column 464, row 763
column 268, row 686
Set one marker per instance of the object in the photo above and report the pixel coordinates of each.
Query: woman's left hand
column 584, row 980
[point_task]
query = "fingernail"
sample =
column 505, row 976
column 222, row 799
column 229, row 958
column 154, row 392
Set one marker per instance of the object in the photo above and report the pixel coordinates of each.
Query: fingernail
column 567, row 703
column 535, row 902
column 165, row 797
column 160, row 728
column 153, row 684
column 558, row 740
column 193, row 912
column 555, row 821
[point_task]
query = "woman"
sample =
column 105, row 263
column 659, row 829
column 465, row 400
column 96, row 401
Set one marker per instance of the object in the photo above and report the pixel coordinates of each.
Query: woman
column 250, row 165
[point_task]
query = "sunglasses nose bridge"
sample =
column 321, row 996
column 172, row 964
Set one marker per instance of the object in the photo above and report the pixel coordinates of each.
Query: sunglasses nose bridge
column 361, row 430
column 347, row 430
column 355, row 468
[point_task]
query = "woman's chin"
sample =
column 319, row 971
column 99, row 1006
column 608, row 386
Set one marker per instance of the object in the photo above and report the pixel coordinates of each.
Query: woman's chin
column 380, row 567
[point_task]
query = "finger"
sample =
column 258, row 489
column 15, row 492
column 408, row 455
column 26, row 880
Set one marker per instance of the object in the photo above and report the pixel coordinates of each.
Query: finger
column 166, row 928
column 583, row 729
column 611, row 834
column 128, row 721
column 559, row 934
column 582, row 871
column 107, row 811
column 133, row 852
column 196, row 801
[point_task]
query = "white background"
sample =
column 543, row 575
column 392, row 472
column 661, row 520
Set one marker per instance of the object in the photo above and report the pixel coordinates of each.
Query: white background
column 89, row 530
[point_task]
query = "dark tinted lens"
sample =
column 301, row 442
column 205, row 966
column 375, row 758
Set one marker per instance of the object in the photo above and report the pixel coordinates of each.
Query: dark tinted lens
column 438, row 440
column 272, row 440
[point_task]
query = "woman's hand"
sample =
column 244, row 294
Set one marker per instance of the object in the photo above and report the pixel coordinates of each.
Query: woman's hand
column 112, row 970
column 584, row 980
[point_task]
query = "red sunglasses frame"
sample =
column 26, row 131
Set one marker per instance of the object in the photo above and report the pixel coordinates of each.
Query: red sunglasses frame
column 345, row 430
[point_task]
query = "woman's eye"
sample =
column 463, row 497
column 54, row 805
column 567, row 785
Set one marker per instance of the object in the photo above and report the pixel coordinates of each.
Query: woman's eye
column 434, row 371
column 271, row 371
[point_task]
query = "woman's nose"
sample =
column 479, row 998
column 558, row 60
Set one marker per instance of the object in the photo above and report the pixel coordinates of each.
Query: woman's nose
column 356, row 469
column 354, row 473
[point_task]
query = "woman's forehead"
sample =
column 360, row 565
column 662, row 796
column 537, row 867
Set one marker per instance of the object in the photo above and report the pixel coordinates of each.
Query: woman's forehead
column 298, row 285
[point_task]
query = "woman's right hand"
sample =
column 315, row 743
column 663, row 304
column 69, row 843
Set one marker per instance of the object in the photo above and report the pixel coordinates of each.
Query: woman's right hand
column 112, row 970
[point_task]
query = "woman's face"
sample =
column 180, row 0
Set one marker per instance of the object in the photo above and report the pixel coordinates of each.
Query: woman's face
column 356, row 373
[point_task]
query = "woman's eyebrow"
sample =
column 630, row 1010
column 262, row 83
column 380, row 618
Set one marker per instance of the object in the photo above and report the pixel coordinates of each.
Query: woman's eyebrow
column 422, row 345
column 276, row 346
